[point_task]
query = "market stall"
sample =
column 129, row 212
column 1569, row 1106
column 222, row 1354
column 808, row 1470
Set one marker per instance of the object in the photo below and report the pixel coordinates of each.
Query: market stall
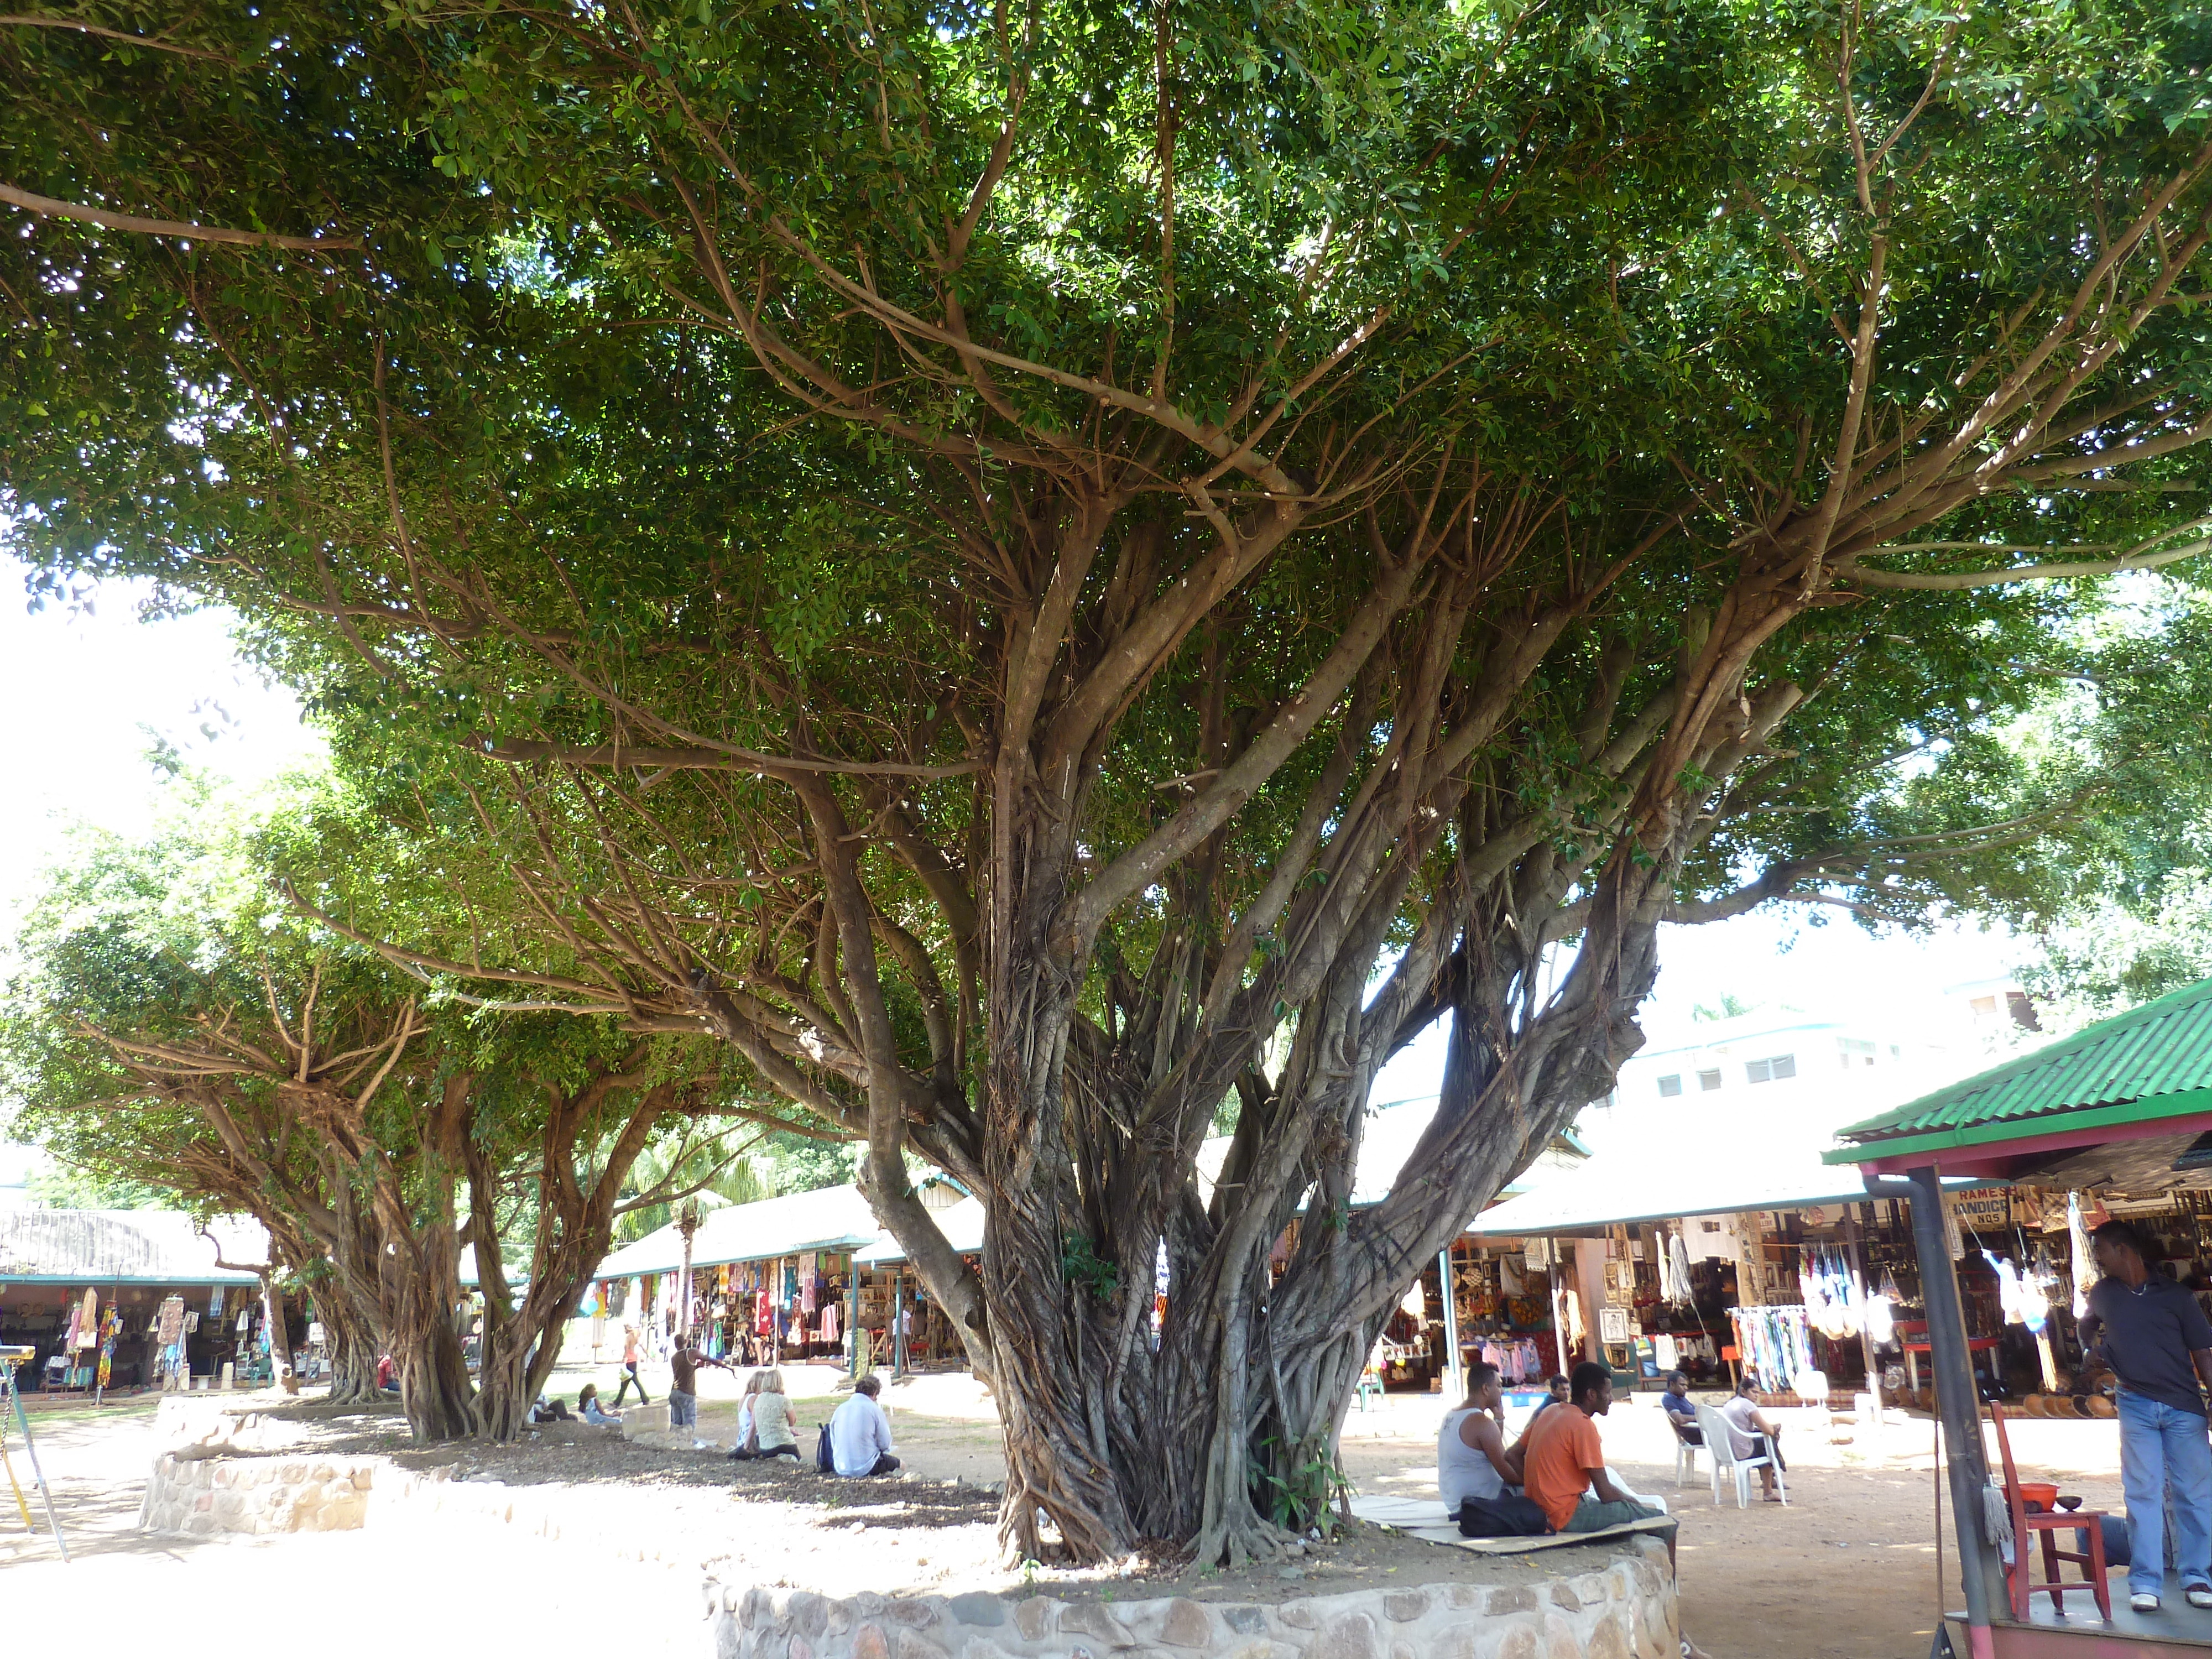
column 1765, row 1260
column 770, row 1282
column 2116, row 1119
column 901, row 1326
column 84, row 1291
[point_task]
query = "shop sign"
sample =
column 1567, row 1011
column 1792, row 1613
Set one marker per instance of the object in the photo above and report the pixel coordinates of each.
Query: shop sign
column 1984, row 1211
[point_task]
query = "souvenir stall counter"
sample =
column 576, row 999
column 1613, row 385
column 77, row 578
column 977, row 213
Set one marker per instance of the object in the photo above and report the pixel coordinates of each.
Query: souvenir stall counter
column 1502, row 1307
column 91, row 1339
column 766, row 1312
column 1661, row 1312
column 2113, row 1119
column 902, row 1325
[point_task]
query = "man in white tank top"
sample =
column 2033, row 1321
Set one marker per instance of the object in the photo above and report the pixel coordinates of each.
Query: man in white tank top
column 1473, row 1460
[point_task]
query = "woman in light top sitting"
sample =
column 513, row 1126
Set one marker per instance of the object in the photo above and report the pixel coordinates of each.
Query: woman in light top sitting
column 588, row 1408
column 775, row 1422
column 742, row 1447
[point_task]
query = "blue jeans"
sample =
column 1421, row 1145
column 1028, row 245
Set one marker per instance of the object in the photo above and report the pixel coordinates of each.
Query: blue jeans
column 2161, row 1444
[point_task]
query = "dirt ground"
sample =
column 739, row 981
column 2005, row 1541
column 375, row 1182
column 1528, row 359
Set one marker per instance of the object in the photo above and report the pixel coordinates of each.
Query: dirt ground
column 1848, row 1567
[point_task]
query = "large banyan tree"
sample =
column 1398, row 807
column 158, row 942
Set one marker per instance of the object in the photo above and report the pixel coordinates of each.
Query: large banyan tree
column 1066, row 581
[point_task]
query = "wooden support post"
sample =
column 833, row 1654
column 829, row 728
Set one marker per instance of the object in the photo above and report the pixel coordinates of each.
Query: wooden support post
column 1950, row 1366
column 1455, row 1366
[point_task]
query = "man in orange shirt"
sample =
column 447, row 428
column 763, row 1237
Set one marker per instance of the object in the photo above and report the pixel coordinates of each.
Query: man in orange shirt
column 1565, row 1463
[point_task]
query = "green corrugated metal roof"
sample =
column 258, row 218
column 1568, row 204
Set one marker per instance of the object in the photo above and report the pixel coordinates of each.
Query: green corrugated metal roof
column 2163, row 1048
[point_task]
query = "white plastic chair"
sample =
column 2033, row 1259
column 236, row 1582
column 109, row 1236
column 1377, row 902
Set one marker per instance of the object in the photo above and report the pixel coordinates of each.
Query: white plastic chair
column 1685, row 1461
column 1722, row 1447
column 1685, row 1455
column 1812, row 1388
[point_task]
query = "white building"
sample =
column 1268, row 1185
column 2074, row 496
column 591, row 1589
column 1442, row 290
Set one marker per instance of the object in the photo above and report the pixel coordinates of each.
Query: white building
column 1773, row 1076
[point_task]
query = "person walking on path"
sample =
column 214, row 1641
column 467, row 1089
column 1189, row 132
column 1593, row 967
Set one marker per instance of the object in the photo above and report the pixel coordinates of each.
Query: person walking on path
column 630, row 1370
column 2159, row 1344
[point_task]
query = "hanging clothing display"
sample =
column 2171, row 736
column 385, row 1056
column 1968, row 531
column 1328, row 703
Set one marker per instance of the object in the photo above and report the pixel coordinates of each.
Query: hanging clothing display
column 1670, row 1289
column 2077, row 1238
column 1773, row 1343
column 1831, row 1297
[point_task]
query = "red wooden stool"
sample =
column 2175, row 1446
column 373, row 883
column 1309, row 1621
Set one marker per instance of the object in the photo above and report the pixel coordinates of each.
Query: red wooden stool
column 2048, row 1524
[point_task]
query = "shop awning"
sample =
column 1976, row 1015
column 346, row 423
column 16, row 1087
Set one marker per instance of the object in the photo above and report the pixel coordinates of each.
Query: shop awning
column 1685, row 1180
column 2142, row 1075
column 127, row 1246
column 962, row 1224
column 827, row 1218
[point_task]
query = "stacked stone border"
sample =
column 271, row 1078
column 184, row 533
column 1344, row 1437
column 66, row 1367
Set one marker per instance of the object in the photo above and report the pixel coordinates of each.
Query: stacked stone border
column 1626, row 1612
column 231, row 1480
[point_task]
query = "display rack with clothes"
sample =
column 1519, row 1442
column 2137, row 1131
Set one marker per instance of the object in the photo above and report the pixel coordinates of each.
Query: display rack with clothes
column 1774, row 1344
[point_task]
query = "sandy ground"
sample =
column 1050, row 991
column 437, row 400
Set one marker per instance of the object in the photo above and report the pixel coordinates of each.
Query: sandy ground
column 1848, row 1567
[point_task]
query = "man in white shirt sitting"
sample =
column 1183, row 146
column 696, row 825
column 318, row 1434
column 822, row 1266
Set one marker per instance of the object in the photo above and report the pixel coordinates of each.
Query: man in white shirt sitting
column 861, row 1435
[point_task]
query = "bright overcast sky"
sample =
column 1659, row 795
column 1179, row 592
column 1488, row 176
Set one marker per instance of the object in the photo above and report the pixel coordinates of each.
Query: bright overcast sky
column 87, row 679
column 86, row 682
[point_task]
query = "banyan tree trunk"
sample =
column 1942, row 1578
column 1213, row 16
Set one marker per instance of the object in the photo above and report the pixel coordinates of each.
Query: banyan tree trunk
column 434, row 1385
column 1222, row 1434
column 352, row 1351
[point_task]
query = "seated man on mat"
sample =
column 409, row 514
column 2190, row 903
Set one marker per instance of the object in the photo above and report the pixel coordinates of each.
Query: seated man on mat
column 1473, row 1460
column 1565, row 1463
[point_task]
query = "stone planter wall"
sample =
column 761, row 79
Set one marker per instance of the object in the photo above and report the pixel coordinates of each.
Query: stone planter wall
column 1626, row 1612
column 200, row 1490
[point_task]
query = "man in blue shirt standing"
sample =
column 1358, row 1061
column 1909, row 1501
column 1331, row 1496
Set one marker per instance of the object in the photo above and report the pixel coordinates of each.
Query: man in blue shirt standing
column 2159, row 1345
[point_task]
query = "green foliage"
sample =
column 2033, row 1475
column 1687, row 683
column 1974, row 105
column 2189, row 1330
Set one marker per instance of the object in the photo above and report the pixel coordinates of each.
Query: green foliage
column 1081, row 1266
column 1298, row 1490
column 1002, row 567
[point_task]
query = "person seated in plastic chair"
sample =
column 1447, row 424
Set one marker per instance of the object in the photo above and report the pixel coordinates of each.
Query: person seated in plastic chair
column 1565, row 1464
column 1753, row 1433
column 1675, row 1403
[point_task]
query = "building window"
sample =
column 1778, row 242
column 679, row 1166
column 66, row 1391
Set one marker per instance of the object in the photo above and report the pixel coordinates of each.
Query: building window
column 1671, row 1086
column 1708, row 1081
column 1855, row 1049
column 1770, row 1071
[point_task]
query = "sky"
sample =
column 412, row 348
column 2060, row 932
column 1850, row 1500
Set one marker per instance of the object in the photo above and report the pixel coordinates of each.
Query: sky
column 1774, row 959
column 93, row 685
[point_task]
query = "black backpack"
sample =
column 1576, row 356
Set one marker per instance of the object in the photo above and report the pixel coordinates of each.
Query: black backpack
column 824, row 1459
column 1501, row 1518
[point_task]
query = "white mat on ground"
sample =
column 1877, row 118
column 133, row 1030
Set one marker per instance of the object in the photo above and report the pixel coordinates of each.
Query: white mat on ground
column 1426, row 1518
